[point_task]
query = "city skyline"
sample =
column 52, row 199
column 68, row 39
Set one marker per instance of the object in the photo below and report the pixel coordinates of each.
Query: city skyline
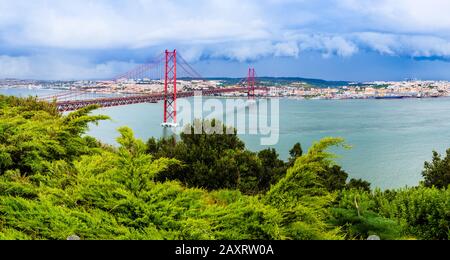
column 333, row 40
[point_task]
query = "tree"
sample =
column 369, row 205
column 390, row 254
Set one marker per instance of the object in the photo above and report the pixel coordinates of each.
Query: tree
column 212, row 141
column 55, row 182
column 303, row 178
column 359, row 184
column 295, row 152
column 216, row 161
column 302, row 197
column 33, row 134
column 333, row 178
column 437, row 172
column 273, row 168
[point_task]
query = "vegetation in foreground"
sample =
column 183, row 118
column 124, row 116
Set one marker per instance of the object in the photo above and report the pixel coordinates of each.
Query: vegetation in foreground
column 56, row 182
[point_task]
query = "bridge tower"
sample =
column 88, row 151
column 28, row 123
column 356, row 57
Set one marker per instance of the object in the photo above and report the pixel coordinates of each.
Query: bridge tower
column 170, row 89
column 251, row 82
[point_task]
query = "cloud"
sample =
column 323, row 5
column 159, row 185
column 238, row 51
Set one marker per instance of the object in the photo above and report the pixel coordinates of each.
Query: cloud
column 286, row 49
column 408, row 45
column 401, row 16
column 58, row 67
column 251, row 51
column 328, row 44
column 128, row 24
column 240, row 30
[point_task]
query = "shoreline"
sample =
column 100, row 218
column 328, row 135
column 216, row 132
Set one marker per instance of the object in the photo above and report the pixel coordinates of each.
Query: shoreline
column 299, row 98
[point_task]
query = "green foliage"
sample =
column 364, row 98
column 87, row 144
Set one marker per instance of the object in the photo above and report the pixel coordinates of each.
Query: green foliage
column 437, row 172
column 333, row 178
column 357, row 200
column 363, row 226
column 77, row 186
column 424, row 212
column 217, row 161
column 295, row 152
column 358, row 184
column 273, row 169
column 303, row 178
column 32, row 135
column 421, row 212
column 56, row 182
column 27, row 105
column 358, row 220
column 302, row 197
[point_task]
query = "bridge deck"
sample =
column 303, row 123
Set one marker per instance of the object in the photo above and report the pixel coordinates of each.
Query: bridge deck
column 150, row 98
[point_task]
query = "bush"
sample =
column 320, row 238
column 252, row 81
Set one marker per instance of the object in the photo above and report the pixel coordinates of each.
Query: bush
column 424, row 212
column 421, row 212
column 65, row 184
column 56, row 182
column 365, row 225
column 437, row 172
column 217, row 161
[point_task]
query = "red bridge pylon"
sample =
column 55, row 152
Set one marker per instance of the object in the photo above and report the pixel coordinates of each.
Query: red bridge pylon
column 170, row 89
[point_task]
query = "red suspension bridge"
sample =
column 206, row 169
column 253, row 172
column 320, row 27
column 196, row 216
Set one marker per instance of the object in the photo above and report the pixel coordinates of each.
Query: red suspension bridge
column 164, row 73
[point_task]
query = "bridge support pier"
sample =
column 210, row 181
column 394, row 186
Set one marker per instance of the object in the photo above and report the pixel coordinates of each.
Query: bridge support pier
column 170, row 90
column 169, row 125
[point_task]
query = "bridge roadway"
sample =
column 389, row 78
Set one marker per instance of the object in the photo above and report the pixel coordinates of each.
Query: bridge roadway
column 72, row 105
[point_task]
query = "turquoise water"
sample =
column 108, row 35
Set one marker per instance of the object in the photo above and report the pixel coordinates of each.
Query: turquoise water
column 391, row 139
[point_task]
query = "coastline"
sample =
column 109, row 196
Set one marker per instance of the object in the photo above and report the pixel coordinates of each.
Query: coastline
column 294, row 97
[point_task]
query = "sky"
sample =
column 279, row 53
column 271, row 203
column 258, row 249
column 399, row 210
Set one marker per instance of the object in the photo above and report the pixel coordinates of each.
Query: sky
column 356, row 40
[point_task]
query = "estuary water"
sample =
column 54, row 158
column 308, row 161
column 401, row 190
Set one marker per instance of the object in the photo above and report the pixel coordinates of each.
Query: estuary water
column 390, row 139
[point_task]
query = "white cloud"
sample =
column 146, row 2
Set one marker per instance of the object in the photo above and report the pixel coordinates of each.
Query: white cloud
column 244, row 52
column 102, row 24
column 57, row 67
column 407, row 16
column 411, row 45
column 242, row 30
column 288, row 49
column 328, row 44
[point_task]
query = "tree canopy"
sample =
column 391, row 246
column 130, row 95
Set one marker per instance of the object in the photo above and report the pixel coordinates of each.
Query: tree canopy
column 437, row 172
